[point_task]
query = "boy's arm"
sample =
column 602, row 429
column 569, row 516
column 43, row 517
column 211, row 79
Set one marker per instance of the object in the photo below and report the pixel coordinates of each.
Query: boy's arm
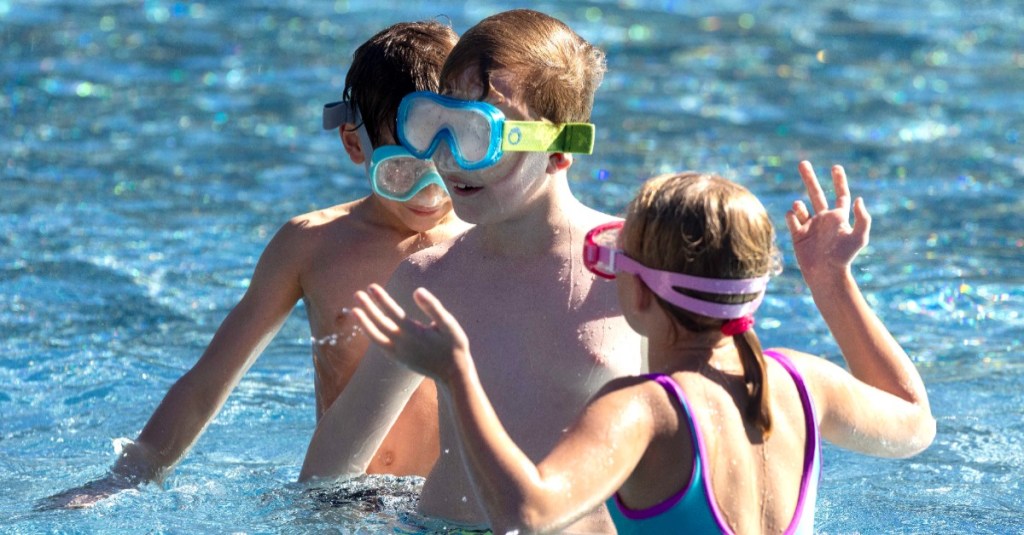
column 198, row 395
column 885, row 411
column 356, row 424
column 516, row 494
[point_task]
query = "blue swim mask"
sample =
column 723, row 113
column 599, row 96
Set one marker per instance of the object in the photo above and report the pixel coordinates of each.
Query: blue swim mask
column 477, row 133
column 394, row 173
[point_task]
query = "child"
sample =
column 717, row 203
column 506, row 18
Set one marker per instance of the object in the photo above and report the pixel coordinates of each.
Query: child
column 720, row 438
column 322, row 257
column 560, row 335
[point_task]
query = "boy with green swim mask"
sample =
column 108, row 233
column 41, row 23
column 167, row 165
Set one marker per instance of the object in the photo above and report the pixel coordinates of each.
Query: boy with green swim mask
column 322, row 258
column 545, row 334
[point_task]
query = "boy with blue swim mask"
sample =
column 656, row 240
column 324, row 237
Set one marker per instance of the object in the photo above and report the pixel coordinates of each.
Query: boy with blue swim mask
column 322, row 258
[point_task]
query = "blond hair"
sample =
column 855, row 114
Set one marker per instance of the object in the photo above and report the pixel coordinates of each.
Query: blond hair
column 555, row 70
column 704, row 225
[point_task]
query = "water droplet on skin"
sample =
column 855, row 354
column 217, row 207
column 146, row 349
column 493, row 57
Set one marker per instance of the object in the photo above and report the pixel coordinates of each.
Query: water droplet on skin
column 464, row 499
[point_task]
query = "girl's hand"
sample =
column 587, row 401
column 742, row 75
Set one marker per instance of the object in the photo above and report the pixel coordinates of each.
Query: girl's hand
column 824, row 242
column 435, row 350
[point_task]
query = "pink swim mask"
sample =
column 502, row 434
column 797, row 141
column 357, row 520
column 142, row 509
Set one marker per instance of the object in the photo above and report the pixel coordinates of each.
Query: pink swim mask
column 603, row 258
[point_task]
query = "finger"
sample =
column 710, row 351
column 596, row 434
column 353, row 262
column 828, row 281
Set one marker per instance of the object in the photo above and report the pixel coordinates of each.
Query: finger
column 435, row 310
column 388, row 304
column 370, row 328
column 842, row 188
column 814, row 192
column 380, row 319
column 861, row 220
column 793, row 222
column 800, row 210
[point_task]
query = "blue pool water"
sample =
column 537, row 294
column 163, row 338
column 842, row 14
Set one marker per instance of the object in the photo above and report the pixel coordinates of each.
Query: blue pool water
column 149, row 149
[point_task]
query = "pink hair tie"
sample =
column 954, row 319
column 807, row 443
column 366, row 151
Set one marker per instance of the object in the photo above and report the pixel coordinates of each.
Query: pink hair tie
column 737, row 326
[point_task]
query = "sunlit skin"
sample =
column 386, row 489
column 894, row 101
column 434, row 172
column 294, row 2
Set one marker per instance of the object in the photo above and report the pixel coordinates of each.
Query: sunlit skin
column 546, row 334
column 630, row 437
column 322, row 258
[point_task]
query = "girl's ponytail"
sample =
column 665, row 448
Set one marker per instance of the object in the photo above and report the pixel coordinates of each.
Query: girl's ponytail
column 755, row 374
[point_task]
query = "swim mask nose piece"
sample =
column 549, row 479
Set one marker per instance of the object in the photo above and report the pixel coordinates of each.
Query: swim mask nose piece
column 443, row 159
column 430, row 197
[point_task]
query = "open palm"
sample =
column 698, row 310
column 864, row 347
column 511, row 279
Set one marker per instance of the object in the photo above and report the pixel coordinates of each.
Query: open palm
column 824, row 241
column 431, row 349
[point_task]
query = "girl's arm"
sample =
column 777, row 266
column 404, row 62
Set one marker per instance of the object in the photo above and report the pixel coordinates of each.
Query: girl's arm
column 885, row 410
column 517, row 495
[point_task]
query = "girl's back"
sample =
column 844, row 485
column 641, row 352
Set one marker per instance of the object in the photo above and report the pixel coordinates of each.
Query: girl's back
column 755, row 482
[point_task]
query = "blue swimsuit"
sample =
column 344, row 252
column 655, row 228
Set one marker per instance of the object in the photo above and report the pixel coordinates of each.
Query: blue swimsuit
column 693, row 509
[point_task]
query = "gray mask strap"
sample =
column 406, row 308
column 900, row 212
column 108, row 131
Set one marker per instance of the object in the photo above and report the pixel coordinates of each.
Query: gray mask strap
column 339, row 113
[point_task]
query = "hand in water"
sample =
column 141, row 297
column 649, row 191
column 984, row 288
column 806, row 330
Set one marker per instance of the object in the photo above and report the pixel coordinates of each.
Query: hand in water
column 86, row 495
column 433, row 350
column 824, row 242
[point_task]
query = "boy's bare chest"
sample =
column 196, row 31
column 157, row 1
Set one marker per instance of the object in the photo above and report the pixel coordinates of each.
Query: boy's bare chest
column 336, row 273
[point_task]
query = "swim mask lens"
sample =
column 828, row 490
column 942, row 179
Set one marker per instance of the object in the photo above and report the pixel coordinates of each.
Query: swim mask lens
column 397, row 175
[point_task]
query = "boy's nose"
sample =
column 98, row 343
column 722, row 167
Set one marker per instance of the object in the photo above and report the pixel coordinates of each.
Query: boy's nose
column 443, row 159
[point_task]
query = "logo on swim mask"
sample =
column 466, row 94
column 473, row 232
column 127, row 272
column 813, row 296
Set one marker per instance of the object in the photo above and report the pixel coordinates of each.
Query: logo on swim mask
column 514, row 136
column 477, row 132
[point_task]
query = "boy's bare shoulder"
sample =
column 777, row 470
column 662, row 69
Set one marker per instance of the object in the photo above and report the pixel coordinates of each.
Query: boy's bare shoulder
column 437, row 255
column 319, row 220
column 442, row 257
column 585, row 218
column 342, row 224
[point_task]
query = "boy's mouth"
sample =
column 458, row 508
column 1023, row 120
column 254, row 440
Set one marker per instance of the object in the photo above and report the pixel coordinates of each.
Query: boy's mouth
column 423, row 210
column 459, row 188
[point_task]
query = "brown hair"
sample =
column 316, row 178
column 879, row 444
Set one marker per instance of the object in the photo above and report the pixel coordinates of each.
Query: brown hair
column 706, row 226
column 556, row 70
column 398, row 60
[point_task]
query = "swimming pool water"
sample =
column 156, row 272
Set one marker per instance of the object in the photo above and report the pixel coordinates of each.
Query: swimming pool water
column 150, row 149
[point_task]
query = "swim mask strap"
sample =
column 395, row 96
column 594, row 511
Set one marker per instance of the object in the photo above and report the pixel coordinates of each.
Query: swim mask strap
column 738, row 326
column 338, row 113
column 541, row 136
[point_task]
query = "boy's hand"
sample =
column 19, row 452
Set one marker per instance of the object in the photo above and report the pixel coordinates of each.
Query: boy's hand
column 87, row 495
column 824, row 242
column 434, row 350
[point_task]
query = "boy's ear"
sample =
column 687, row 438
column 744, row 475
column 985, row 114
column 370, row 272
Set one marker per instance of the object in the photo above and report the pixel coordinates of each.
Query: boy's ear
column 559, row 161
column 350, row 140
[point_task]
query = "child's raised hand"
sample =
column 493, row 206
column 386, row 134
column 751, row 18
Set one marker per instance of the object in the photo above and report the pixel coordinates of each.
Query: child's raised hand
column 428, row 349
column 824, row 241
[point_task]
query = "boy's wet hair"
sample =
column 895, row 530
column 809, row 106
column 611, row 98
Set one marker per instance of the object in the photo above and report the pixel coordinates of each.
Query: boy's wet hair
column 398, row 60
column 706, row 226
column 556, row 70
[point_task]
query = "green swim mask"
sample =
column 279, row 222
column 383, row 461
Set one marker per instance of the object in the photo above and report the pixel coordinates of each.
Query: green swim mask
column 477, row 132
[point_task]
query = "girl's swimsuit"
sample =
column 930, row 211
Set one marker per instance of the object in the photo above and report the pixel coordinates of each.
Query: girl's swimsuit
column 693, row 509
